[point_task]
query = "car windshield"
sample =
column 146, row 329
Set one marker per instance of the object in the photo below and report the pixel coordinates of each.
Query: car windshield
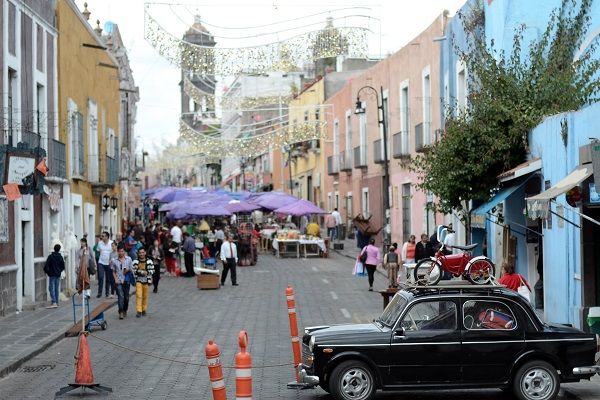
column 393, row 310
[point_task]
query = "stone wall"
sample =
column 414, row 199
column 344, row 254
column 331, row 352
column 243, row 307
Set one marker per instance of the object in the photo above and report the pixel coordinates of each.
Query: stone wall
column 8, row 292
column 41, row 282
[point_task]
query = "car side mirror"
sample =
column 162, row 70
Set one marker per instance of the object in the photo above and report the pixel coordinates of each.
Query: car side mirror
column 400, row 333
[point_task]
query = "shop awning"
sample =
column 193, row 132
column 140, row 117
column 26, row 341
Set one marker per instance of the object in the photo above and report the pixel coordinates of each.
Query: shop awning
column 538, row 206
column 479, row 214
column 521, row 170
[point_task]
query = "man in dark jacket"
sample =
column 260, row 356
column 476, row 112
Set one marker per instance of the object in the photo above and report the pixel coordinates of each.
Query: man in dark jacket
column 55, row 265
column 189, row 248
column 421, row 251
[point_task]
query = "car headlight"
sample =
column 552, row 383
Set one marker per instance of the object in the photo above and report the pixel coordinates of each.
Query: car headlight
column 311, row 343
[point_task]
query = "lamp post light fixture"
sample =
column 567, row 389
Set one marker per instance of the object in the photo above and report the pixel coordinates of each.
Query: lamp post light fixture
column 113, row 203
column 105, row 200
column 381, row 119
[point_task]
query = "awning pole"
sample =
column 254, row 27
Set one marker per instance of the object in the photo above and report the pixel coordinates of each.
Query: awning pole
column 504, row 226
column 517, row 224
column 564, row 219
column 592, row 220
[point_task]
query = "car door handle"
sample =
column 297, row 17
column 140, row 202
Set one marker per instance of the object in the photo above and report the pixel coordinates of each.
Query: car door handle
column 399, row 337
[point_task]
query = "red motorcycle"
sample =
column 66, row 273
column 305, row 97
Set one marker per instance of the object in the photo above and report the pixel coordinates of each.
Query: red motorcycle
column 477, row 270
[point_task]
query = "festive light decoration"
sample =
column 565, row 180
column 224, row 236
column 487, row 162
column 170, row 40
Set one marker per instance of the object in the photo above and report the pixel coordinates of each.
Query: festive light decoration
column 254, row 145
column 231, row 102
column 284, row 55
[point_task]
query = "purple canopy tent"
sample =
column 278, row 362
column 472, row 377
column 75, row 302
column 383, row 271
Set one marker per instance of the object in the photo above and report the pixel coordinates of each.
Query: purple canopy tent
column 299, row 208
column 235, row 206
column 198, row 209
column 171, row 194
column 273, row 200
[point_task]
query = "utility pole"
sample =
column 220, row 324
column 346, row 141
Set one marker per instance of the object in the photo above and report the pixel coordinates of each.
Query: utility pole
column 382, row 120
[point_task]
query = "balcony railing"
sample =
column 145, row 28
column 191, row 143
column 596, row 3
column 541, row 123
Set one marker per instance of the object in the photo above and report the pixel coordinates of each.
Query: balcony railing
column 333, row 165
column 360, row 157
column 400, row 145
column 419, row 142
column 378, row 152
column 112, row 170
column 31, row 138
column 346, row 161
column 57, row 159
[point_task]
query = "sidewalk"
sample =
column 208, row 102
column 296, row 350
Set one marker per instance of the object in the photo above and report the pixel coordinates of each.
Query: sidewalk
column 28, row 333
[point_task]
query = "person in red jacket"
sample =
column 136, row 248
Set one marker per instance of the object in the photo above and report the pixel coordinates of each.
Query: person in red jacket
column 511, row 279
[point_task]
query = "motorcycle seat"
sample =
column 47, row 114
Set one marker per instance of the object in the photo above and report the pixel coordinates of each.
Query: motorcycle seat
column 468, row 247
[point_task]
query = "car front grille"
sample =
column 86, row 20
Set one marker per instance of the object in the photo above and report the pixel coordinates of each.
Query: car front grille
column 307, row 357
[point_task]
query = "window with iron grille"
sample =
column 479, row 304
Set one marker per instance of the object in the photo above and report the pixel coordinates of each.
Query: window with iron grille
column 406, row 212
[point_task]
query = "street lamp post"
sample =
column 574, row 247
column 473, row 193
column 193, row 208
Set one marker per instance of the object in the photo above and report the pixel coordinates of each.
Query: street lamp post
column 386, row 176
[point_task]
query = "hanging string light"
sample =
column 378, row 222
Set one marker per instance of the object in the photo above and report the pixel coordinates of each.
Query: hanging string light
column 251, row 145
column 331, row 42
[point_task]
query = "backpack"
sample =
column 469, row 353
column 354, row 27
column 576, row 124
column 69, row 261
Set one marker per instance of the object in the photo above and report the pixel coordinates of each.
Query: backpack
column 363, row 255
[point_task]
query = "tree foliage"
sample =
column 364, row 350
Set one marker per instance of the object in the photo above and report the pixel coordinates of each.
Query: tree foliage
column 508, row 95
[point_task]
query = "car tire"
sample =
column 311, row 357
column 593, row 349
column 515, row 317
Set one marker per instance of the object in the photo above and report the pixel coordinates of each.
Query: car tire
column 536, row 380
column 352, row 380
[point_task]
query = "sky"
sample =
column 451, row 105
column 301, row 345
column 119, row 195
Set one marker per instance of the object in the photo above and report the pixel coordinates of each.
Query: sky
column 158, row 109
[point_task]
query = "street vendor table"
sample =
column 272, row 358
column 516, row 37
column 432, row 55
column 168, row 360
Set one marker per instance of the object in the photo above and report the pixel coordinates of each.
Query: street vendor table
column 318, row 246
column 282, row 247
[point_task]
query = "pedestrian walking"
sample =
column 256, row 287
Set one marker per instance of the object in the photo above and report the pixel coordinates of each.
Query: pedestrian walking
column 54, row 267
column 157, row 255
column 170, row 250
column 105, row 276
column 86, row 256
column 230, row 259
column 338, row 223
column 421, row 248
column 130, row 244
column 409, row 250
column 121, row 266
column 373, row 257
column 143, row 268
column 390, row 262
column 189, row 249
column 330, row 224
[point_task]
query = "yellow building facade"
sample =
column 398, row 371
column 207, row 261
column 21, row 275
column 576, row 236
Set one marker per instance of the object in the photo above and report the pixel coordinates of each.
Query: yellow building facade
column 306, row 159
column 88, row 105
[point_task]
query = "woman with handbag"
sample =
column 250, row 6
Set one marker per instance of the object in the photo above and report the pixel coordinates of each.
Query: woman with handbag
column 370, row 257
column 512, row 280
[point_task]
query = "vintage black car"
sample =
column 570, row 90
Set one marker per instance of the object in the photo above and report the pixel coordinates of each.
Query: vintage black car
column 448, row 337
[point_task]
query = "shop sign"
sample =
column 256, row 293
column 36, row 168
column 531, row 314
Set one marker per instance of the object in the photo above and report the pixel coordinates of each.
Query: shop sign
column 19, row 168
column 596, row 162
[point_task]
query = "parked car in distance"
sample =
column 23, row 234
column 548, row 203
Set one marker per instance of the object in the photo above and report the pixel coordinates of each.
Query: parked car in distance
column 448, row 337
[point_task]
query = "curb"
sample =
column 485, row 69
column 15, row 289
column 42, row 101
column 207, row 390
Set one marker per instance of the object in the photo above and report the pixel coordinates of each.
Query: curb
column 16, row 364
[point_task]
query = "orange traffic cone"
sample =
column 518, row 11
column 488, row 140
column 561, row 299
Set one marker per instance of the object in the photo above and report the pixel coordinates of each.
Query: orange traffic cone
column 84, row 376
column 215, row 372
column 83, row 367
column 291, row 303
column 243, row 370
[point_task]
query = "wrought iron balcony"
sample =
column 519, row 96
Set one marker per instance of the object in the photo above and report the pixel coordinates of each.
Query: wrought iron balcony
column 31, row 138
column 400, row 145
column 360, row 157
column 333, row 165
column 346, row 161
column 378, row 152
column 57, row 159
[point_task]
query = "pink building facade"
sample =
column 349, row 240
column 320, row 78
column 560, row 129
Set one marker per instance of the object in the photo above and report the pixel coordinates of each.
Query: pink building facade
column 409, row 82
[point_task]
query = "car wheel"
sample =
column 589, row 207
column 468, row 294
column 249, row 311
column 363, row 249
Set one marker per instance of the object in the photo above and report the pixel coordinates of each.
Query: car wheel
column 427, row 272
column 481, row 272
column 536, row 380
column 352, row 380
column 324, row 386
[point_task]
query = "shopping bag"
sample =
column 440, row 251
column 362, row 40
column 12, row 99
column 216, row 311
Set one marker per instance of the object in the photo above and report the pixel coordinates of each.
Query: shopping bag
column 359, row 269
column 523, row 290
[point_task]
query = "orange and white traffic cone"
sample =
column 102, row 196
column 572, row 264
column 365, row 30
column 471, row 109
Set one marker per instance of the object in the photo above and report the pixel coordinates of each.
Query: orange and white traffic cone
column 83, row 368
column 215, row 371
column 84, row 376
column 243, row 370
column 291, row 304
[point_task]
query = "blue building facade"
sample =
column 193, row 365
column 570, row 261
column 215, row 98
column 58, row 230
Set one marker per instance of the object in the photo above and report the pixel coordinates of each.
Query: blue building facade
column 562, row 250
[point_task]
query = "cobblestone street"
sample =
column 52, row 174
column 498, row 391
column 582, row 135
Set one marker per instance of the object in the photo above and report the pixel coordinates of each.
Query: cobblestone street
column 182, row 319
